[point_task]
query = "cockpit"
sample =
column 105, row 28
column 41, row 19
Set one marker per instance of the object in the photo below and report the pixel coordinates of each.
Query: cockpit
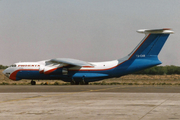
column 13, row 65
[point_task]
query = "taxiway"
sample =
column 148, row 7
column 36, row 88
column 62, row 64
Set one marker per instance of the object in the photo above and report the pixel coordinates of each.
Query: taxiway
column 90, row 102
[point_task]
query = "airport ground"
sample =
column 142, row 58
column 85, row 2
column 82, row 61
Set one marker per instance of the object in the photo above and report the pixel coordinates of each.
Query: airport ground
column 137, row 97
column 90, row 102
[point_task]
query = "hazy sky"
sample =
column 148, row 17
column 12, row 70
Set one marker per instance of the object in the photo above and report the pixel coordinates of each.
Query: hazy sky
column 89, row 30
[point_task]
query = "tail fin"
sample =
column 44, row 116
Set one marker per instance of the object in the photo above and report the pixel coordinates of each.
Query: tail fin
column 152, row 43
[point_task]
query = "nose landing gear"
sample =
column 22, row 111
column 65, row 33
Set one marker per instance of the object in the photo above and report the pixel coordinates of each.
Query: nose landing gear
column 33, row 82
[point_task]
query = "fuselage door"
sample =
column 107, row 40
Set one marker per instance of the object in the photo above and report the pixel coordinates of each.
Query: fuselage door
column 64, row 71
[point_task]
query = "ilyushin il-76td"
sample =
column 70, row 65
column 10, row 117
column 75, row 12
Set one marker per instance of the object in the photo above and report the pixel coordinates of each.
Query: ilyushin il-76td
column 144, row 55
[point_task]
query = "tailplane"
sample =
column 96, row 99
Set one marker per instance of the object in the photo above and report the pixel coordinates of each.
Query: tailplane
column 145, row 54
column 152, row 43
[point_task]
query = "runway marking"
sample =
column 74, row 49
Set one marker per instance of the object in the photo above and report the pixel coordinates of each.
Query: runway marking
column 157, row 106
column 28, row 98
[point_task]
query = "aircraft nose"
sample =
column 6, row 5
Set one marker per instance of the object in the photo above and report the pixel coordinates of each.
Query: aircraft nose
column 6, row 73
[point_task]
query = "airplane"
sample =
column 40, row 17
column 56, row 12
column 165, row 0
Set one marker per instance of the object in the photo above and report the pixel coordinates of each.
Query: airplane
column 144, row 55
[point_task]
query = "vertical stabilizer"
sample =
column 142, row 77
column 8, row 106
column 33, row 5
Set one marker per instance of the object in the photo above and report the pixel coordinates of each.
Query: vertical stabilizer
column 152, row 43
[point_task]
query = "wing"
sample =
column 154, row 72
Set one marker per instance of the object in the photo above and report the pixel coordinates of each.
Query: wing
column 70, row 61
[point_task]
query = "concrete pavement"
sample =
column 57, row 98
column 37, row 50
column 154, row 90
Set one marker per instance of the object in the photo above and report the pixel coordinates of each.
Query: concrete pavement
column 90, row 103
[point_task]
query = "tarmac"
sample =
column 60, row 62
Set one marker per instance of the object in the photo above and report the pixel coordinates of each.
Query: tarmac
column 89, row 102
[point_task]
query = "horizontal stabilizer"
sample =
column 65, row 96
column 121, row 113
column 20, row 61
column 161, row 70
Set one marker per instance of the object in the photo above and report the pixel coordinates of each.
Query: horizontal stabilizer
column 156, row 31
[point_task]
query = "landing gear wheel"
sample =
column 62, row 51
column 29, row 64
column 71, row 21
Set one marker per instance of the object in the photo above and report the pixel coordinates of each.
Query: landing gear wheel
column 72, row 83
column 33, row 82
column 86, row 83
column 83, row 83
column 76, row 83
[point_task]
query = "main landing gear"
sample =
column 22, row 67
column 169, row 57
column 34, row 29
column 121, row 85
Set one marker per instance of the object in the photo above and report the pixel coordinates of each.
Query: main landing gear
column 79, row 83
column 33, row 82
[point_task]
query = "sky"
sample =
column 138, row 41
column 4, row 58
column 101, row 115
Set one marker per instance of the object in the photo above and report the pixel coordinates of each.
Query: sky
column 89, row 30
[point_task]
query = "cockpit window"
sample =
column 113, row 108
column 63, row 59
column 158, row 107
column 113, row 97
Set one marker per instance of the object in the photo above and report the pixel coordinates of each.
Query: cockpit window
column 13, row 66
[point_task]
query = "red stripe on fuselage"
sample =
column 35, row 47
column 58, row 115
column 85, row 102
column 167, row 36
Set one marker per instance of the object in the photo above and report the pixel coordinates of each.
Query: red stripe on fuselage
column 50, row 71
column 88, row 66
column 13, row 74
column 42, row 71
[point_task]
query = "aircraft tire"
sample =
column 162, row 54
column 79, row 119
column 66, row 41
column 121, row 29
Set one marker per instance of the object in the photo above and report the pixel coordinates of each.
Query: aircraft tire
column 33, row 82
column 76, row 83
column 72, row 83
column 86, row 83
column 83, row 83
column 79, row 83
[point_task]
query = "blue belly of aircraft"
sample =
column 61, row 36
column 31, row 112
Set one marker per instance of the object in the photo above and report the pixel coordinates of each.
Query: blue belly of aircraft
column 78, row 75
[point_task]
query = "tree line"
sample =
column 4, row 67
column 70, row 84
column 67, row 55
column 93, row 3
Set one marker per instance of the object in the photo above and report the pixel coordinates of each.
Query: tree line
column 156, row 70
column 160, row 70
column 3, row 67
